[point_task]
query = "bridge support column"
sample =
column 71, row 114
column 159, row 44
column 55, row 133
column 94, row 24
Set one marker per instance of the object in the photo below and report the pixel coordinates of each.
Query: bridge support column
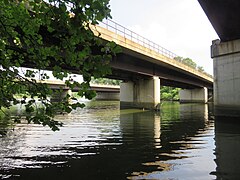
column 226, row 63
column 58, row 96
column 199, row 95
column 140, row 94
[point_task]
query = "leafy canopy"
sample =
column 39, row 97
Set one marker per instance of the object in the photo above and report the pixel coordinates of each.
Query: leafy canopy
column 189, row 62
column 169, row 93
column 49, row 35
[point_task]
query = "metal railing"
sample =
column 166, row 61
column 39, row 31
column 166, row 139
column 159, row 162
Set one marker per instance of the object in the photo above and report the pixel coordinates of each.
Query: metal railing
column 121, row 30
column 128, row 34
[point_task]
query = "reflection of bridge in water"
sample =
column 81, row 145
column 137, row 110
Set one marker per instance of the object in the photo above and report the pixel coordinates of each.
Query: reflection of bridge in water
column 101, row 142
column 173, row 133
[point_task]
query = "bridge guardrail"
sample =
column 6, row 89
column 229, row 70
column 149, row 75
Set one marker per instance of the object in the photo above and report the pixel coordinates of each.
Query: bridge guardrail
column 129, row 34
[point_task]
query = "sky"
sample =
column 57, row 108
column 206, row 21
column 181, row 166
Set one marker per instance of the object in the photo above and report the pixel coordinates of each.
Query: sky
column 180, row 26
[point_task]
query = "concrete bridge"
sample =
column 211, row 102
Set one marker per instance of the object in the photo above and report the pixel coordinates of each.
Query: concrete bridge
column 224, row 15
column 144, row 66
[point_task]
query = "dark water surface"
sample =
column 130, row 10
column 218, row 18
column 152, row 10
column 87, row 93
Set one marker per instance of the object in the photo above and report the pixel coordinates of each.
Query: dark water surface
column 102, row 142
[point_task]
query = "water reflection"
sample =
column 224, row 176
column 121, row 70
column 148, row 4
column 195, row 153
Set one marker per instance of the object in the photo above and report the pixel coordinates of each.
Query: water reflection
column 186, row 145
column 227, row 137
column 102, row 142
column 143, row 126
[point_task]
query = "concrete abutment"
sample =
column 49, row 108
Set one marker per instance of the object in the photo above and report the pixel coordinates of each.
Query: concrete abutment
column 226, row 63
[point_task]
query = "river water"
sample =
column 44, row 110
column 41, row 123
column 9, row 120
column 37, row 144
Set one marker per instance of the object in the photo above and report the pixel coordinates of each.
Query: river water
column 182, row 141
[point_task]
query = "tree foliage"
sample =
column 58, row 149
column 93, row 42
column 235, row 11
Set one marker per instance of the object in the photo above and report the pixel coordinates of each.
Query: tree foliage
column 200, row 68
column 191, row 63
column 186, row 61
column 169, row 93
column 50, row 35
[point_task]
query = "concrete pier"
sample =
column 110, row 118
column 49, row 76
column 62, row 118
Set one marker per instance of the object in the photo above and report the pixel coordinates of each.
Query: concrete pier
column 199, row 95
column 226, row 59
column 144, row 93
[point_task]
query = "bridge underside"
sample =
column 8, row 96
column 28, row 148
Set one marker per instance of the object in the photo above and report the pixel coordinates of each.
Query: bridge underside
column 127, row 67
column 142, row 80
column 224, row 15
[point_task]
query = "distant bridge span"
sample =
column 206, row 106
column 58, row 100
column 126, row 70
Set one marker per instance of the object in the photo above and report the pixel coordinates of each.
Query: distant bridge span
column 104, row 92
column 56, row 84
